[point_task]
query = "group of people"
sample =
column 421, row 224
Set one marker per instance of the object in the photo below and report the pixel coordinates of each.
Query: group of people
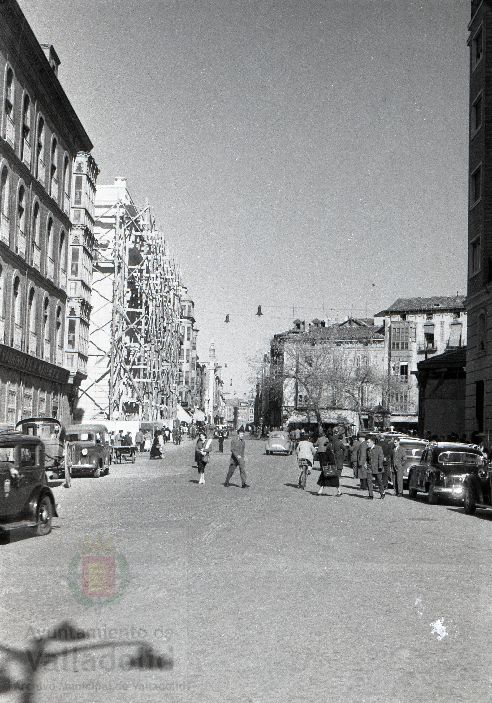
column 237, row 460
column 366, row 459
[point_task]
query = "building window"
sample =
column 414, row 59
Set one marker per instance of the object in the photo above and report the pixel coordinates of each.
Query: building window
column 25, row 145
column 78, row 191
column 477, row 47
column 62, row 252
column 54, row 169
column 40, row 165
column 9, row 127
column 400, row 337
column 404, row 371
column 476, row 114
column 476, row 186
column 71, row 334
column 21, row 210
column 74, row 267
column 59, row 328
column 475, row 256
column 429, row 340
column 482, row 333
column 5, row 204
column 66, row 178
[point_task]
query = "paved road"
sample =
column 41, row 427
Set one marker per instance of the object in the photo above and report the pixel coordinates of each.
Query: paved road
column 260, row 595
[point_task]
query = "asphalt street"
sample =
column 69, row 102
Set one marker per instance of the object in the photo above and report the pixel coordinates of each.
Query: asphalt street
column 258, row 595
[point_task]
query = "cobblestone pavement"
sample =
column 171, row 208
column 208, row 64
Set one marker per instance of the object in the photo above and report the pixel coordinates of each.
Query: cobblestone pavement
column 260, row 595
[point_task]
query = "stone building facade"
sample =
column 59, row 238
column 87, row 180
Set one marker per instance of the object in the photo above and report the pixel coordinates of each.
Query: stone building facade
column 187, row 377
column 40, row 135
column 478, row 402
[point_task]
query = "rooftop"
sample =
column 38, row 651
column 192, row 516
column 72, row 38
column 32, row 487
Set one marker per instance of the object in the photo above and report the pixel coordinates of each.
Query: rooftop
column 436, row 302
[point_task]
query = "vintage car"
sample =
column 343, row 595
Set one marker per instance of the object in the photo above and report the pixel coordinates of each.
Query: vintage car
column 88, row 450
column 442, row 469
column 477, row 489
column 413, row 451
column 52, row 434
column 26, row 501
column 278, row 443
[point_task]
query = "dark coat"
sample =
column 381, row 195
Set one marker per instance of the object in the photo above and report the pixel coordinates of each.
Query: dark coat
column 237, row 447
column 362, row 454
column 375, row 459
column 339, row 450
column 398, row 457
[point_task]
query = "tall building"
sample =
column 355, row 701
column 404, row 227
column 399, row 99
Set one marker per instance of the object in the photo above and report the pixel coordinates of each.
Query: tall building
column 134, row 338
column 40, row 136
column 478, row 405
column 187, row 378
column 416, row 329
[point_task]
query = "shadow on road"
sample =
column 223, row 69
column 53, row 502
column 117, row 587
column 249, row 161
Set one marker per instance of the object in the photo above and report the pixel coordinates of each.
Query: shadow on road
column 481, row 515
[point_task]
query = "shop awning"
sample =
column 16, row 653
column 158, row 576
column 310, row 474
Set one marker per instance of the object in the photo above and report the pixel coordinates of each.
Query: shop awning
column 182, row 415
column 199, row 416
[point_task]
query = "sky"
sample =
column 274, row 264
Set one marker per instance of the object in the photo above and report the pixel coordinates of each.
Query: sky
column 308, row 156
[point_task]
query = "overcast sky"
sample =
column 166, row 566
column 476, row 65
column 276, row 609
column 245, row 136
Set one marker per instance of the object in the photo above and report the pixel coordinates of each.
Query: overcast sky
column 308, row 153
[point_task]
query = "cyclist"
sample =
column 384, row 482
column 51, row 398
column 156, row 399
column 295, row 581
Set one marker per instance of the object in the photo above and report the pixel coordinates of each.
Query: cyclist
column 306, row 452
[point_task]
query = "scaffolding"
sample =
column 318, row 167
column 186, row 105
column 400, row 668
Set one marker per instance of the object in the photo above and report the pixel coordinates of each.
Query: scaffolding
column 139, row 321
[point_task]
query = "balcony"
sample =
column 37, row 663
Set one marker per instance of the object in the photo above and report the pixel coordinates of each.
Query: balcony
column 33, row 344
column 5, row 229
column 426, row 349
column 36, row 256
column 26, row 153
column 21, row 243
column 47, row 350
column 66, row 204
column 50, row 268
column 10, row 131
column 17, row 336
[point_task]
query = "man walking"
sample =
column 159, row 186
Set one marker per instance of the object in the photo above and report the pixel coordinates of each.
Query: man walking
column 238, row 445
column 362, row 464
column 398, row 461
column 321, row 445
column 375, row 467
column 221, row 441
column 354, row 453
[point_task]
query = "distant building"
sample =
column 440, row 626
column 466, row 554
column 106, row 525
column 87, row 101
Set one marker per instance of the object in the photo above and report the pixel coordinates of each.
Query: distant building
column 441, row 381
column 479, row 295
column 40, row 136
column 356, row 344
column 187, row 377
column 416, row 329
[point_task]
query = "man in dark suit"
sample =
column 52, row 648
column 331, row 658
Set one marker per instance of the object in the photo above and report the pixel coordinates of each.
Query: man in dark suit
column 375, row 467
column 398, row 463
column 238, row 446
column 339, row 449
column 362, row 463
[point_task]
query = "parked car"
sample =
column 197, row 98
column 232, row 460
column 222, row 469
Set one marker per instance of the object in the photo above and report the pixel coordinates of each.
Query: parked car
column 413, row 450
column 26, row 501
column 477, row 489
column 88, row 449
column 278, row 443
column 52, row 434
column 442, row 469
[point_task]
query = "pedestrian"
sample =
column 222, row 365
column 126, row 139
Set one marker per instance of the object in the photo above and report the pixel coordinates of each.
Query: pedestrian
column 362, row 464
column 140, row 440
column 339, row 449
column 127, row 440
column 221, row 441
column 375, row 467
column 398, row 456
column 321, row 444
column 238, row 447
column 201, row 456
column 354, row 452
column 155, row 450
column 305, row 452
column 329, row 473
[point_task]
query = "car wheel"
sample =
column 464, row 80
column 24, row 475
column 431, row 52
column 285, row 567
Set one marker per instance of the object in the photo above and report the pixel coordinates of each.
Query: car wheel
column 267, row 452
column 97, row 472
column 412, row 491
column 469, row 501
column 44, row 516
column 432, row 496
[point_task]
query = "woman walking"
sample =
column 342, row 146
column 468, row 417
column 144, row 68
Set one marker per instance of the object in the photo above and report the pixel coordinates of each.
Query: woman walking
column 329, row 475
column 156, row 448
column 201, row 457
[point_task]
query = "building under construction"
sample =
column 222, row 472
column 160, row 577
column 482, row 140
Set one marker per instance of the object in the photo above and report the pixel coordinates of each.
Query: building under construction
column 134, row 339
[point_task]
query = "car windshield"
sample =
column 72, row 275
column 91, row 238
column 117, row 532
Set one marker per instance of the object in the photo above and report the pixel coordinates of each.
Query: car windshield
column 460, row 458
column 80, row 437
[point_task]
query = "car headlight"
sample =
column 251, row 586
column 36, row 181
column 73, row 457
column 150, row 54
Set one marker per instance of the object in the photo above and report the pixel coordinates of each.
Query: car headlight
column 84, row 452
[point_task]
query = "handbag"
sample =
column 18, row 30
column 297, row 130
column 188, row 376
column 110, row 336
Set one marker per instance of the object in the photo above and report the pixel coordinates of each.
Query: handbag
column 329, row 470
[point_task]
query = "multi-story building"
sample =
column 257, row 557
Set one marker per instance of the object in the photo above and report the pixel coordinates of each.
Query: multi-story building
column 342, row 363
column 187, row 377
column 416, row 329
column 478, row 403
column 40, row 136
column 81, row 257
